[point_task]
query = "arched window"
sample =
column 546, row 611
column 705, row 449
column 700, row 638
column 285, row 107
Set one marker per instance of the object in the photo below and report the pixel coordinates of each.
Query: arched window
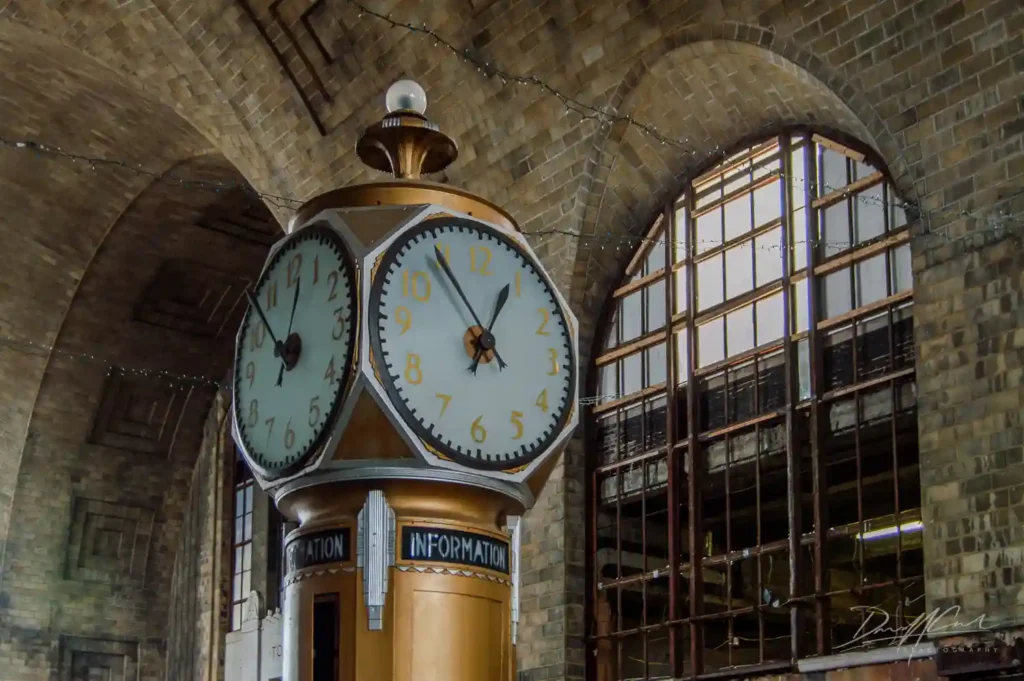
column 757, row 418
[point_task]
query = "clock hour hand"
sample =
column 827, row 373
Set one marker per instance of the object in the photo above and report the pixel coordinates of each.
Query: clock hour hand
column 487, row 337
column 278, row 347
column 291, row 318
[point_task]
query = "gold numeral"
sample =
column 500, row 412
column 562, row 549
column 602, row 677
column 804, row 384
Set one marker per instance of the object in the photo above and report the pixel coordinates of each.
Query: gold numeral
column 329, row 374
column 250, row 372
column 445, row 399
column 553, row 355
column 270, row 427
column 254, row 413
column 519, row 283
column 314, row 411
column 258, row 335
column 289, row 435
column 481, row 264
column 332, row 279
column 403, row 317
column 413, row 374
column 517, row 422
column 541, row 330
column 339, row 325
column 294, row 269
column 419, row 285
column 542, row 400
column 272, row 295
column 477, row 432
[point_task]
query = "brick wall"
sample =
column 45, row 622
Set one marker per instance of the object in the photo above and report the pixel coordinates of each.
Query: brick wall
column 933, row 85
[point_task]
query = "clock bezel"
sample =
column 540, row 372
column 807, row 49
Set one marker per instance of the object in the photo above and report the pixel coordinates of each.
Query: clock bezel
column 350, row 365
column 386, row 259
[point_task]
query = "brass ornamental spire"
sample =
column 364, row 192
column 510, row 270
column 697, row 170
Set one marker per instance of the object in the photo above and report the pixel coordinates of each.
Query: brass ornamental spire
column 404, row 143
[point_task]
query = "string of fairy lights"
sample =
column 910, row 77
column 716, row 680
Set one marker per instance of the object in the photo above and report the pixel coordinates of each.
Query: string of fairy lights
column 993, row 223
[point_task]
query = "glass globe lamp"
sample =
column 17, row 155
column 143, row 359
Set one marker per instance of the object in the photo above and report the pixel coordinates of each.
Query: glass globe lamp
column 406, row 95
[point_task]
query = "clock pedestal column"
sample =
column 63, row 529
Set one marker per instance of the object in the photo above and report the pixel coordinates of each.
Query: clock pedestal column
column 399, row 580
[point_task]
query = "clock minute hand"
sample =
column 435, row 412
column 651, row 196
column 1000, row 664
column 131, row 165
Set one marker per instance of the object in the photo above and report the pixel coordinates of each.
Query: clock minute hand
column 291, row 318
column 455, row 283
column 278, row 347
column 502, row 299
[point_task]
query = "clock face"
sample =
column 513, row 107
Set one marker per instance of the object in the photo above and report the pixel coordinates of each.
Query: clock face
column 287, row 396
column 426, row 339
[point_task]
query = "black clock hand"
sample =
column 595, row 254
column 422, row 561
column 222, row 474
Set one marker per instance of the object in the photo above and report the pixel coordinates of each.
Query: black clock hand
column 502, row 299
column 448, row 270
column 295, row 303
column 278, row 347
column 455, row 283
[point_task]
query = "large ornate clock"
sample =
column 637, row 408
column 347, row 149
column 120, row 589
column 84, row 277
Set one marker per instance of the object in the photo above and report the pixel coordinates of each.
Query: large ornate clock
column 294, row 353
column 471, row 344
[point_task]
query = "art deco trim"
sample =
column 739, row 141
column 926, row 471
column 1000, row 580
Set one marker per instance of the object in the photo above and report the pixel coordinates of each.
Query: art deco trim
column 515, row 524
column 375, row 552
column 299, row 576
column 453, row 572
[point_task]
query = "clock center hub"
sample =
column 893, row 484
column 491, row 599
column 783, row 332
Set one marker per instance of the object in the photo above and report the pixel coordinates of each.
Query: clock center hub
column 478, row 338
column 291, row 351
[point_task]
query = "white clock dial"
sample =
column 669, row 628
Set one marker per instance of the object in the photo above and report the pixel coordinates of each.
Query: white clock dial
column 287, row 395
column 425, row 340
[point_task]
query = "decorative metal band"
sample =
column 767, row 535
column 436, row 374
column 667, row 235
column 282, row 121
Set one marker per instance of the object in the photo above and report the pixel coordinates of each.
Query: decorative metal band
column 307, row 574
column 515, row 524
column 375, row 553
column 359, row 471
column 455, row 572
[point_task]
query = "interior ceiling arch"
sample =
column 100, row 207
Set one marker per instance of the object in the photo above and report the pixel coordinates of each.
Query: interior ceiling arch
column 712, row 94
column 84, row 246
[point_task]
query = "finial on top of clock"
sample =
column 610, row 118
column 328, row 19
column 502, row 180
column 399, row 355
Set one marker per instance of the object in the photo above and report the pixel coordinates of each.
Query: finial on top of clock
column 404, row 143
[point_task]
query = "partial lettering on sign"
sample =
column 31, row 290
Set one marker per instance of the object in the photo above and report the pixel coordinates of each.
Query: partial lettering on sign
column 318, row 548
column 442, row 545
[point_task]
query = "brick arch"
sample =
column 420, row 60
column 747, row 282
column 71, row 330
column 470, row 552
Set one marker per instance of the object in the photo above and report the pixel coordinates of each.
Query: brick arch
column 622, row 156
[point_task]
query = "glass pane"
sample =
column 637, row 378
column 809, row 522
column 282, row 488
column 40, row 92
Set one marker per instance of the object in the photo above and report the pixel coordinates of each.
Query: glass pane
column 630, row 311
column 239, row 503
column 607, row 388
column 803, row 354
column 248, row 499
column 739, row 267
column 798, row 240
column 708, row 196
column 868, row 214
column 709, row 230
column 246, row 557
column 871, row 280
column 711, row 342
column 833, row 171
column 902, row 277
column 739, row 325
column 682, row 355
column 801, row 306
column 709, row 283
column 613, row 330
column 834, row 229
column 236, row 616
column 236, row 588
column 239, row 524
column 655, row 306
column 245, row 583
column 237, row 565
column 681, row 232
column 632, row 374
column 655, row 254
column 682, row 299
column 248, row 527
column 657, row 365
column 897, row 215
column 861, row 170
column 737, row 217
column 836, row 295
column 739, row 178
column 762, row 167
column 768, row 257
column 767, row 204
column 797, row 175
column 770, row 319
